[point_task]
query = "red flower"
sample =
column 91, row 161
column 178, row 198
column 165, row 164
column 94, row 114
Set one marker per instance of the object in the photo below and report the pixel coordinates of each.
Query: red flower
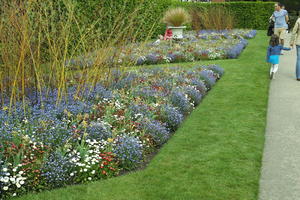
column 13, row 146
column 111, row 168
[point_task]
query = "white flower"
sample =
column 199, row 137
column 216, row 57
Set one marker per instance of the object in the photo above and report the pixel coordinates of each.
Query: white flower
column 21, row 172
column 14, row 169
column 89, row 178
column 72, row 174
column 5, row 180
column 22, row 182
column 14, row 194
column 85, row 169
column 93, row 172
column 18, row 185
column 5, row 188
column 4, row 169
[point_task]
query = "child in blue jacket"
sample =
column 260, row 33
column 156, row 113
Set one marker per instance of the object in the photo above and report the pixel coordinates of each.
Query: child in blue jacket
column 273, row 54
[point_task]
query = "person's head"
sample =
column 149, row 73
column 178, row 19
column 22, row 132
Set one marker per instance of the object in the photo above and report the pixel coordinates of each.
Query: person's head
column 274, row 41
column 278, row 6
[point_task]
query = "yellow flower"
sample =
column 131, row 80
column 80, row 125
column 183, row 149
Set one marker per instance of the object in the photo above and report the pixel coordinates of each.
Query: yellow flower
column 79, row 117
column 86, row 116
column 5, row 108
column 69, row 114
column 110, row 140
column 84, row 123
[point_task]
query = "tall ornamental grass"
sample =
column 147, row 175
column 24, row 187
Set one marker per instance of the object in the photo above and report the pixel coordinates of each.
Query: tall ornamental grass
column 39, row 38
column 212, row 18
column 176, row 17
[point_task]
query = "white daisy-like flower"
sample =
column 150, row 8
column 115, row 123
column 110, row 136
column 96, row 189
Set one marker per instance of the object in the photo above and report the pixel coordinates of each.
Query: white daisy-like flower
column 5, row 188
column 5, row 180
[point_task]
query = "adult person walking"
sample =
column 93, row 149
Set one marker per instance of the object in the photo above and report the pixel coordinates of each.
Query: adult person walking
column 288, row 21
column 281, row 18
column 295, row 40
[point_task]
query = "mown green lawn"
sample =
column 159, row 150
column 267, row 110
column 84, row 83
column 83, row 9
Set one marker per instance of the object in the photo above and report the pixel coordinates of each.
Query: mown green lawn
column 215, row 155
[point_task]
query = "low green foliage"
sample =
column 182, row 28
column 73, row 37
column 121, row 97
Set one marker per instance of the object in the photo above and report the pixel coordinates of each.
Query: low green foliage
column 216, row 153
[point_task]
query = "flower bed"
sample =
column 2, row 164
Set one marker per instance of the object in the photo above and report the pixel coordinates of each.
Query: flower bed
column 111, row 129
column 204, row 45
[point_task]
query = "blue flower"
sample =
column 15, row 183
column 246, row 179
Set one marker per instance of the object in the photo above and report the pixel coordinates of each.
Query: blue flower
column 209, row 78
column 98, row 131
column 129, row 150
column 179, row 100
column 56, row 170
column 172, row 116
column 142, row 109
column 158, row 131
column 194, row 94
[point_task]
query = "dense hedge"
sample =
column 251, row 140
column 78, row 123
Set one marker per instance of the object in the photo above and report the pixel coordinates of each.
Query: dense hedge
column 148, row 17
column 247, row 14
column 253, row 15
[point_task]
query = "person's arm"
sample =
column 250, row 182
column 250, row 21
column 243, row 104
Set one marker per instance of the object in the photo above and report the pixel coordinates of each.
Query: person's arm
column 286, row 48
column 268, row 53
column 295, row 32
column 272, row 18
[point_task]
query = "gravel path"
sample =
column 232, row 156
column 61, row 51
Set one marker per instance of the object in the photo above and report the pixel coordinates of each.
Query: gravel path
column 280, row 175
